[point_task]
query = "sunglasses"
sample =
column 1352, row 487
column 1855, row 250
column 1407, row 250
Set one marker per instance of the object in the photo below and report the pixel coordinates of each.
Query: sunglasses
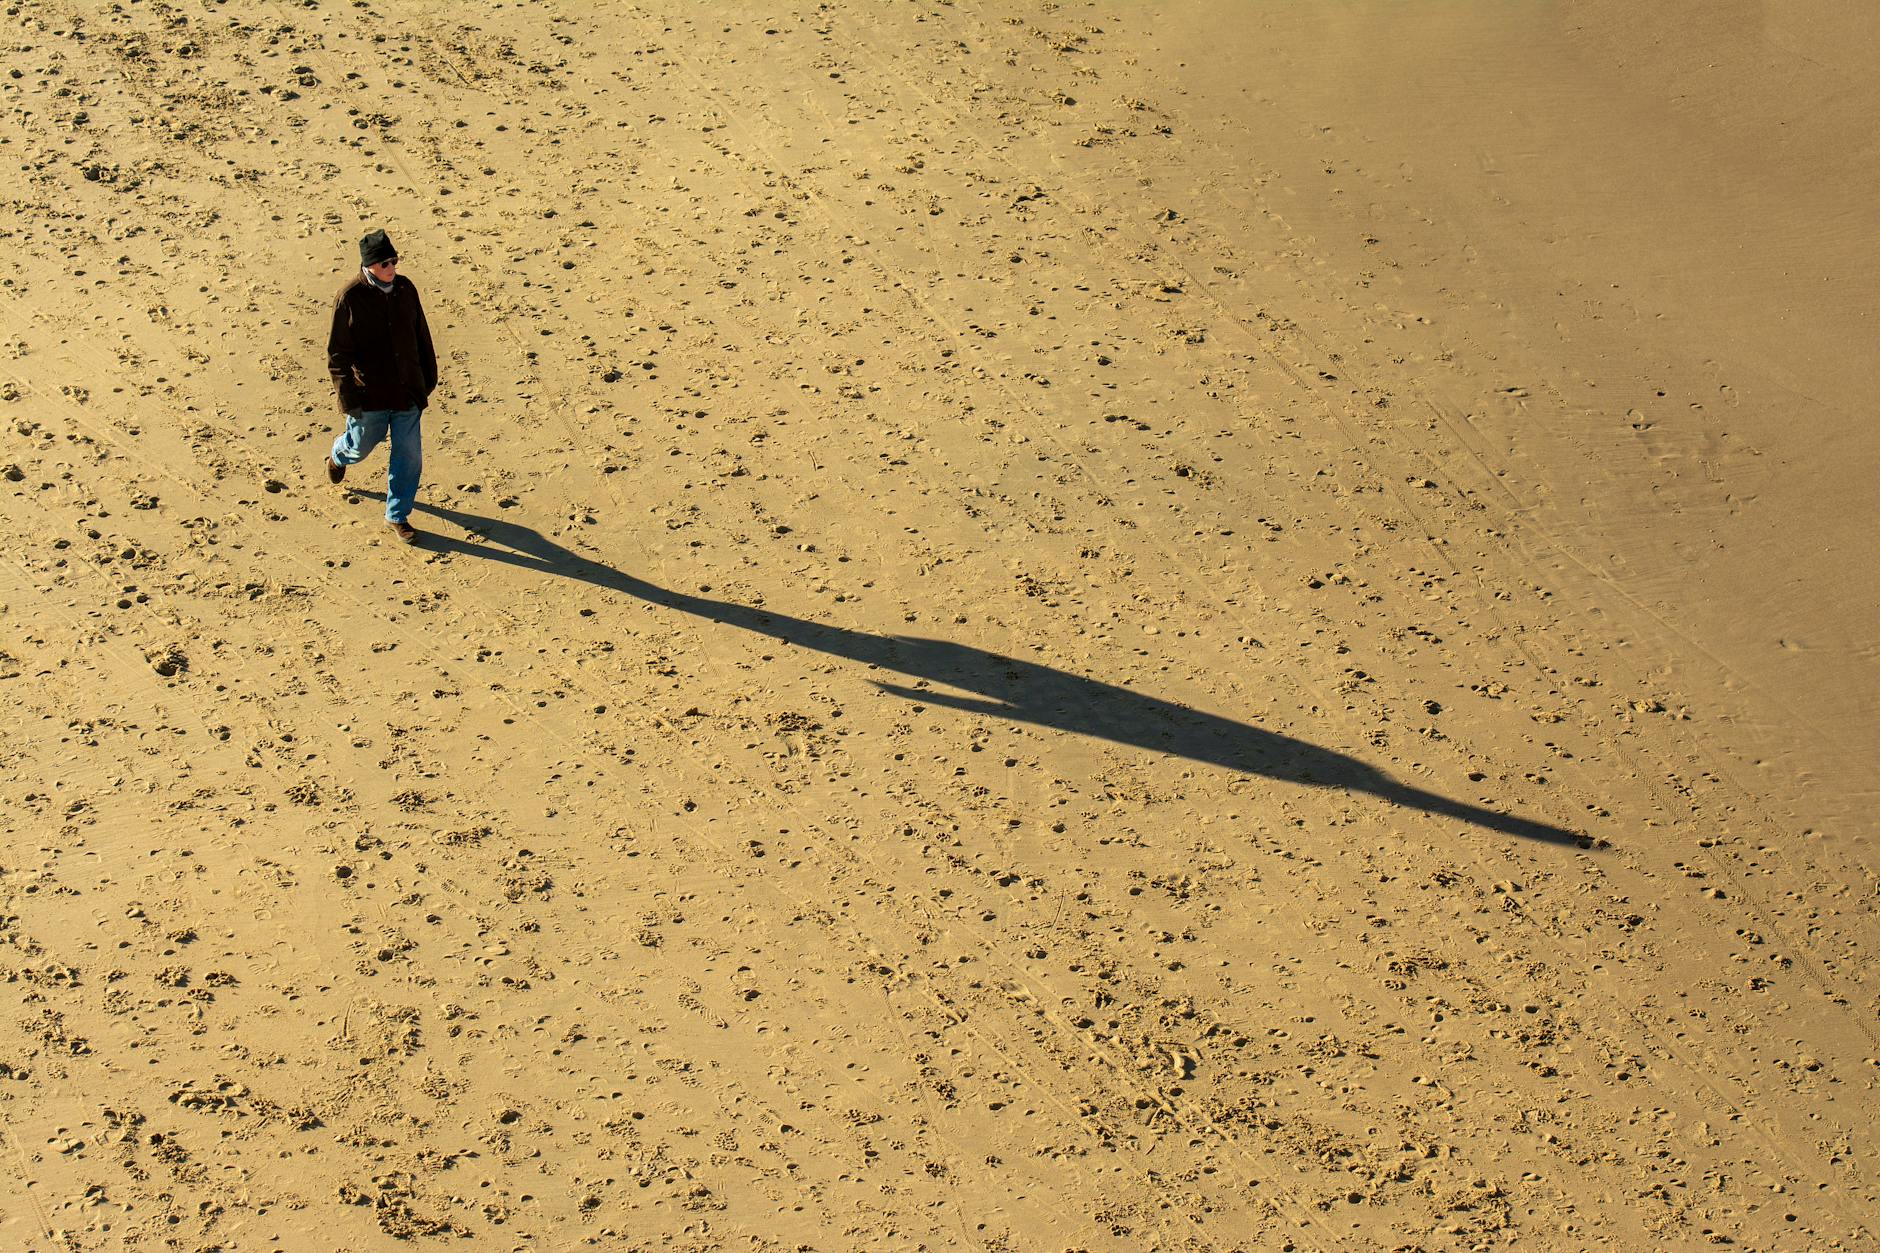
column 388, row 261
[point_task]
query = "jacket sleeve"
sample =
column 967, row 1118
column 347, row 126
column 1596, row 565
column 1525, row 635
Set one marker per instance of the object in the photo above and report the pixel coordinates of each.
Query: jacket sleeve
column 341, row 354
column 427, row 355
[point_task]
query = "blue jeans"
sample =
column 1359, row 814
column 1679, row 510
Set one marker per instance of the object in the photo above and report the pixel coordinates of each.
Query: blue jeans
column 364, row 430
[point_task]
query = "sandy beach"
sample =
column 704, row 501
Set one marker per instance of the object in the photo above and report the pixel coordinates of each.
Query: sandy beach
column 1060, row 626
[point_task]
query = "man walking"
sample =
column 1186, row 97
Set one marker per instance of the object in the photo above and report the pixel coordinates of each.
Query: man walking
column 384, row 369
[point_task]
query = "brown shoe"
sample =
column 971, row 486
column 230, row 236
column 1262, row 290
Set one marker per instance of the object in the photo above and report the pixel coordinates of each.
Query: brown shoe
column 405, row 532
column 334, row 470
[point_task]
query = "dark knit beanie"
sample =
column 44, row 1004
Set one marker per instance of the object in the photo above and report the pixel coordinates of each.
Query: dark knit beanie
column 376, row 247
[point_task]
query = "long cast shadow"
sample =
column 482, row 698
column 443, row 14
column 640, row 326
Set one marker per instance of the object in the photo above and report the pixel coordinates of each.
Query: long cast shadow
column 1005, row 687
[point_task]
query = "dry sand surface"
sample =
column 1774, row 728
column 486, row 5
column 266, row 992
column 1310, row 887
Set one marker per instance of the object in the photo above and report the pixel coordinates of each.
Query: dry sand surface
column 1041, row 626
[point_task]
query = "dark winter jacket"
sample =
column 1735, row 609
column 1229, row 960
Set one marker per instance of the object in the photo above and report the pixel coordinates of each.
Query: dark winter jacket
column 380, row 352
